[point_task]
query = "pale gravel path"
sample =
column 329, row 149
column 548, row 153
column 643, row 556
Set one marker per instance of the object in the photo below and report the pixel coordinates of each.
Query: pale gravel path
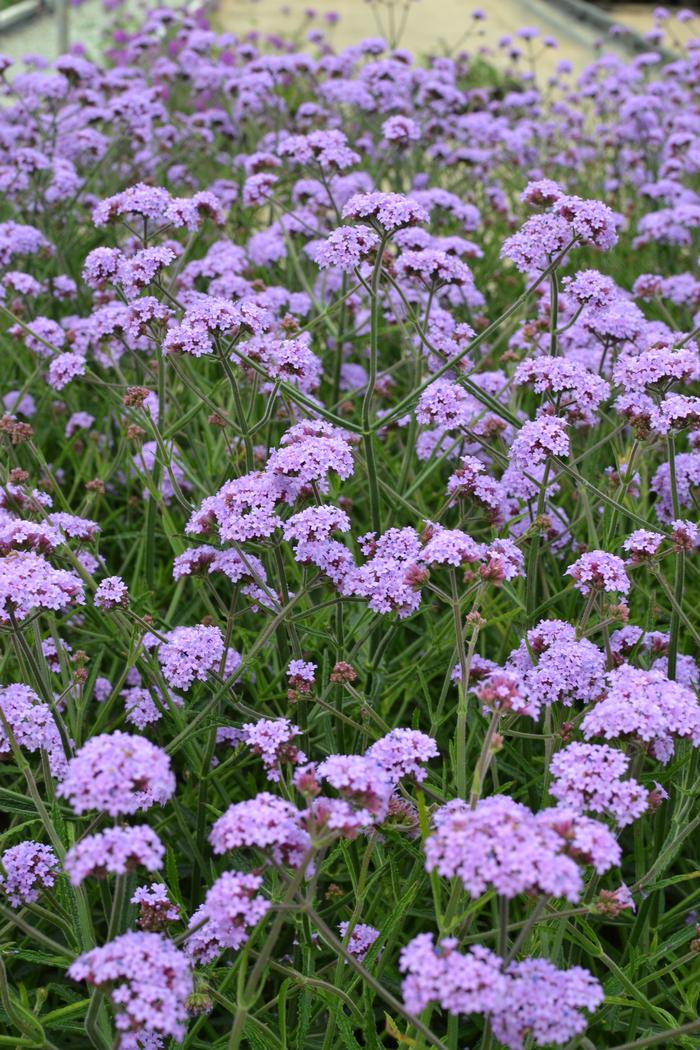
column 431, row 25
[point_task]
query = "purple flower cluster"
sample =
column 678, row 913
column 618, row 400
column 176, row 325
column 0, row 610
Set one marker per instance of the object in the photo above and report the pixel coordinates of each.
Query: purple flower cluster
column 645, row 706
column 231, row 907
column 151, row 204
column 190, row 653
column 271, row 739
column 117, row 773
column 271, row 824
column 529, row 999
column 111, row 593
column 32, row 726
column 403, row 753
column 589, row 777
column 148, row 980
column 28, row 868
column 28, row 582
column 599, row 571
column 114, row 851
column 501, row 843
column 156, row 910
column 554, row 666
column 362, row 937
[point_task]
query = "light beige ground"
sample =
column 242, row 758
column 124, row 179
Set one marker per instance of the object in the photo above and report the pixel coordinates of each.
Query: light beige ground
column 441, row 24
column 431, row 25
column 640, row 18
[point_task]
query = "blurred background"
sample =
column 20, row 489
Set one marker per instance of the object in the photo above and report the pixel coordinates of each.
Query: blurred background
column 569, row 31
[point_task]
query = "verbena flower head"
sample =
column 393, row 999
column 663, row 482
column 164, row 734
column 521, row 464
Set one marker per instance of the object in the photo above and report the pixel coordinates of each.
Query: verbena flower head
column 392, row 576
column 400, row 130
column 642, row 544
column 685, row 534
column 117, row 773
column 114, row 851
column 645, row 706
column 243, row 509
column 541, row 238
column 270, row 823
column 191, row 653
column 143, row 707
column 445, row 404
column 501, row 691
column 403, row 753
column 206, row 559
column 327, row 148
column 592, row 222
column 434, row 267
column 210, row 318
column 232, row 907
column 542, row 193
column 148, row 980
column 271, row 739
column 153, row 206
column 28, row 582
column 545, row 1004
column 502, row 560
column 554, row 666
column 362, row 937
column 657, row 366
column 315, row 523
column 449, row 547
column 537, row 440
column 156, row 910
column 577, row 388
column 32, row 725
column 360, row 780
column 675, row 412
column 63, row 368
column 29, row 867
column 501, row 843
column 599, row 571
column 111, row 593
column 588, row 777
column 591, row 288
column 346, row 247
column 386, row 211
column 459, row 982
column 301, row 674
column 310, row 451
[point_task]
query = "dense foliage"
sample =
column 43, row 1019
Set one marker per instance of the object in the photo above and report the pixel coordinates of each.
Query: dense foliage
column 348, row 564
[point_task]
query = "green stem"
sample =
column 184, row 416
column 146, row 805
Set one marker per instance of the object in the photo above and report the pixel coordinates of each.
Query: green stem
column 533, row 561
column 484, row 761
column 31, row 931
column 367, row 432
column 660, row 1037
column 369, row 979
column 679, row 579
column 531, row 920
column 465, row 659
column 117, row 906
column 252, row 985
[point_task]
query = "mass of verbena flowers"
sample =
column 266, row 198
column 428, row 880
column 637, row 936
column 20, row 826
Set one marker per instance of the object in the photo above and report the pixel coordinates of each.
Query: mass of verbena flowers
column 348, row 541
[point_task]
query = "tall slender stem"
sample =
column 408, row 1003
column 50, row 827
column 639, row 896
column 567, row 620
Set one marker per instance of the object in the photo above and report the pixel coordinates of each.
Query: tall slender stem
column 369, row 978
column 367, row 433
column 679, row 578
column 484, row 761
